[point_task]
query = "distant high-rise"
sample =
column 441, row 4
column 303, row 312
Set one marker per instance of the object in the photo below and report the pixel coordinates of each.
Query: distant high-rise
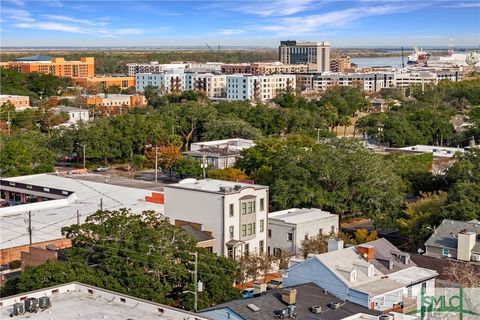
column 315, row 54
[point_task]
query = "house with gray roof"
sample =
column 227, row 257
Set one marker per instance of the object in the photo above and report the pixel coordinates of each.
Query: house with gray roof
column 456, row 240
column 375, row 275
column 310, row 301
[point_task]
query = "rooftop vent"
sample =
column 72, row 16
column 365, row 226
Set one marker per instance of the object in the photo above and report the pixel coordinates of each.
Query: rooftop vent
column 335, row 305
column 238, row 187
column 253, row 307
column 316, row 309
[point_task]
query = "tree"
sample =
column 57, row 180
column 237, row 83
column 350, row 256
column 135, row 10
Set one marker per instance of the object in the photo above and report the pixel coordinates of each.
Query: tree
column 187, row 168
column 143, row 255
column 49, row 117
column 318, row 243
column 465, row 274
column 363, row 235
column 168, row 156
column 228, row 174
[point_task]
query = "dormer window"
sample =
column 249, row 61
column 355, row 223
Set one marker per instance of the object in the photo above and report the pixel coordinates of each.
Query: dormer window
column 353, row 275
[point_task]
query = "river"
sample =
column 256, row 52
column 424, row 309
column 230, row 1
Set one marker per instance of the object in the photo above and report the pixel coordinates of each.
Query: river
column 379, row 61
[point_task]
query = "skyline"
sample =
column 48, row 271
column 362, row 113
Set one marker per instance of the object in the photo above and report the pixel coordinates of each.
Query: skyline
column 363, row 23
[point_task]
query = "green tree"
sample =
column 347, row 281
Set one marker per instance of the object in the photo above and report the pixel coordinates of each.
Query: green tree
column 188, row 168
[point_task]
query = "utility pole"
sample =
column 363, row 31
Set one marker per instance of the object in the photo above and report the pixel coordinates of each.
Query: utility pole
column 8, row 122
column 204, row 165
column 84, row 160
column 78, row 217
column 30, row 226
column 156, row 164
column 195, row 279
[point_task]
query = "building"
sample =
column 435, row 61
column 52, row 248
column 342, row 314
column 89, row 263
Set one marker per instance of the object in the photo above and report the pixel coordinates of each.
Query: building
column 288, row 228
column 315, row 54
column 55, row 201
column 219, row 154
column 55, row 66
column 75, row 115
column 170, row 81
column 438, row 152
column 456, row 240
column 264, row 68
column 375, row 275
column 155, row 67
column 203, row 238
column 278, row 301
column 236, row 213
column 263, row 88
column 116, row 100
column 106, row 81
column 213, row 85
column 19, row 102
column 341, row 64
column 76, row 300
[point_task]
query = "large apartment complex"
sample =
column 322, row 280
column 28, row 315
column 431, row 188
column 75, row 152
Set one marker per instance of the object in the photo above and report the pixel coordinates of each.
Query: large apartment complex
column 54, row 66
column 249, row 87
column 315, row 54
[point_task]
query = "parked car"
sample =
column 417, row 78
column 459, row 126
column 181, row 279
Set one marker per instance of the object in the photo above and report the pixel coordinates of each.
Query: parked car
column 247, row 293
column 101, row 169
column 275, row 283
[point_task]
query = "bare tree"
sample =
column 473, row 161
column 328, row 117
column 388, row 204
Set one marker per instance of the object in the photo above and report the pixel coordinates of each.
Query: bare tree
column 465, row 274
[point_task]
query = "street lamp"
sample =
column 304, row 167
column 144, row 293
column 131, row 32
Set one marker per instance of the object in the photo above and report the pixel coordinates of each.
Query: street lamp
column 380, row 130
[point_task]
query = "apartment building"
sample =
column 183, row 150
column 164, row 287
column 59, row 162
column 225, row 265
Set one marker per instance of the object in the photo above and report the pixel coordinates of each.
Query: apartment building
column 107, row 81
column 155, row 67
column 75, row 115
column 315, row 54
column 56, row 66
column 109, row 100
column 168, row 81
column 236, row 213
column 407, row 78
column 341, row 64
column 264, row 68
column 264, row 88
column 19, row 102
column 288, row 228
column 212, row 84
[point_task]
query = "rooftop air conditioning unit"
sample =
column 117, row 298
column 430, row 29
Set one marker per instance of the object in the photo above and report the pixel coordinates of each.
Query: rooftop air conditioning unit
column 385, row 317
column 316, row 309
column 31, row 304
column 44, row 302
column 335, row 305
column 18, row 309
column 475, row 257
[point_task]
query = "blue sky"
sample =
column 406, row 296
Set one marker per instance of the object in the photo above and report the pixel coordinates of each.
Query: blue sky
column 238, row 22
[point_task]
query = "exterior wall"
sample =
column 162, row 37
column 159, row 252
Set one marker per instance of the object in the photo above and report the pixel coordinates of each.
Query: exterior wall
column 386, row 301
column 11, row 254
column 173, row 81
column 437, row 252
column 77, row 116
column 37, row 256
column 278, row 240
column 248, row 87
column 316, row 54
column 313, row 271
column 57, row 67
column 213, row 85
column 20, row 102
column 122, row 82
column 218, row 162
column 213, row 211
column 202, row 207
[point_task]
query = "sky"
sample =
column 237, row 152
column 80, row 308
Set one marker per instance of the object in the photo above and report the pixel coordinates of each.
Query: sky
column 238, row 22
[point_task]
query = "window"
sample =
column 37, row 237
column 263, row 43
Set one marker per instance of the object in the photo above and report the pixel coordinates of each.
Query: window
column 244, row 208
column 333, row 229
column 262, row 225
column 261, row 246
column 262, row 204
column 231, row 210
column 249, row 229
column 269, row 233
column 320, row 231
column 247, row 248
column 231, row 232
column 290, row 236
column 249, row 204
column 445, row 252
column 244, row 230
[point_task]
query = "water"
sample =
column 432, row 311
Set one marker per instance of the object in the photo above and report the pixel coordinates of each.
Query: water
column 379, row 61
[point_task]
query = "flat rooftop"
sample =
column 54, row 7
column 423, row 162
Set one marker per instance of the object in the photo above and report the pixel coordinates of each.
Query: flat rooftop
column 213, row 185
column 48, row 217
column 296, row 215
column 79, row 301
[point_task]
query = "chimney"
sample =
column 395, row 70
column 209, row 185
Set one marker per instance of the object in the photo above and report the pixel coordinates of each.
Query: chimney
column 465, row 243
column 366, row 251
column 289, row 296
column 335, row 245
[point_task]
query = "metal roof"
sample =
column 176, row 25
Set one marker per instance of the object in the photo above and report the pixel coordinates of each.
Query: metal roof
column 37, row 57
column 296, row 215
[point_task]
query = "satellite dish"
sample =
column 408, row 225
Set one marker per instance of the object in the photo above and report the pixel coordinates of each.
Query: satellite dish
column 420, row 250
column 365, row 256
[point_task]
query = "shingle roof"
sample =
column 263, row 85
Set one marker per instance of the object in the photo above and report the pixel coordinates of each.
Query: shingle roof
column 197, row 235
column 445, row 235
column 384, row 250
column 308, row 295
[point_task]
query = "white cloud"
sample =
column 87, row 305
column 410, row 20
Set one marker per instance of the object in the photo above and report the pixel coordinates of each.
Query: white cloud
column 334, row 19
column 473, row 4
column 275, row 8
column 74, row 20
column 16, row 14
column 19, row 3
column 230, row 32
column 51, row 26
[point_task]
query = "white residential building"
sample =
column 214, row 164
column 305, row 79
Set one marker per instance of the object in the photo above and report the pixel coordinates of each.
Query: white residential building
column 236, row 213
column 288, row 228
column 168, row 81
column 155, row 67
column 212, row 84
column 264, row 88
column 75, row 115
column 233, row 144
column 76, row 300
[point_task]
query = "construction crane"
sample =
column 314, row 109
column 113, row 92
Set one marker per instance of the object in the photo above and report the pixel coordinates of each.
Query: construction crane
column 217, row 53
